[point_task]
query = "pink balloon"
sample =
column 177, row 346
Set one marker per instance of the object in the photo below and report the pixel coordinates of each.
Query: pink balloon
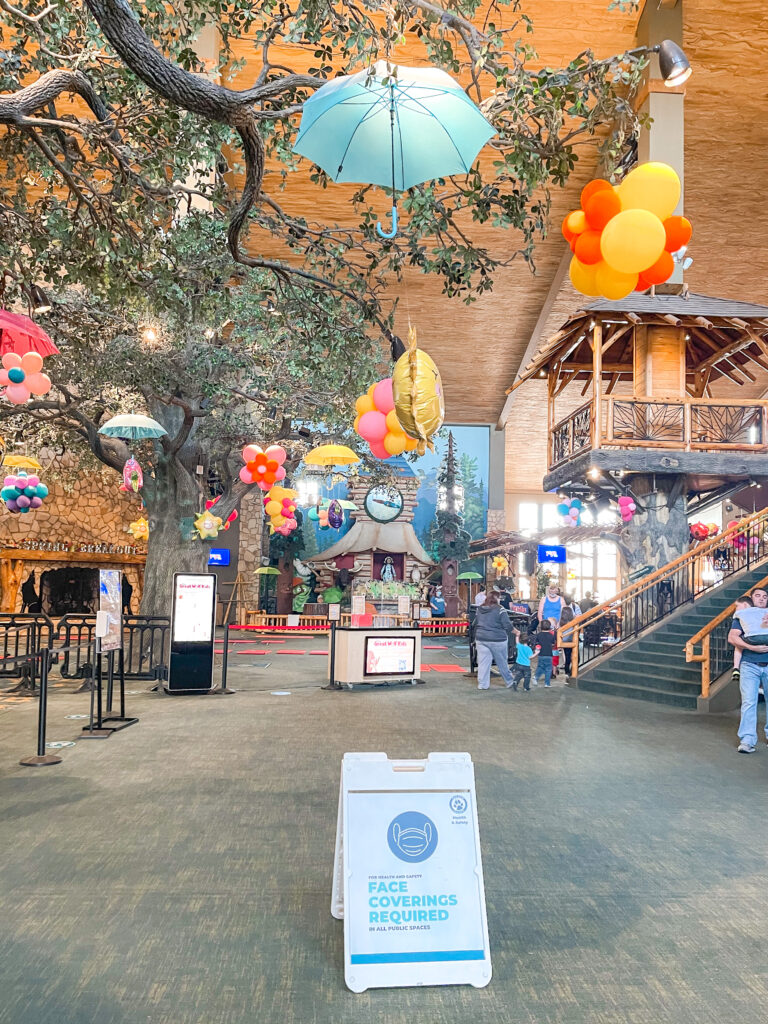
column 263, row 483
column 372, row 427
column 31, row 362
column 383, row 398
column 33, row 481
column 4, row 378
column 245, row 475
column 17, row 394
column 38, row 383
column 276, row 452
column 250, row 452
column 10, row 481
column 378, row 449
column 280, row 473
column 10, row 359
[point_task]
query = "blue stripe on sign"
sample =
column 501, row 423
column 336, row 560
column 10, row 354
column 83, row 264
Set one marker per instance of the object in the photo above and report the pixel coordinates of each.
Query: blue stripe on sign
column 417, row 958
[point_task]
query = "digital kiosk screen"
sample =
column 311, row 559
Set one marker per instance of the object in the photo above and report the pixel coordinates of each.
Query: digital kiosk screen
column 390, row 655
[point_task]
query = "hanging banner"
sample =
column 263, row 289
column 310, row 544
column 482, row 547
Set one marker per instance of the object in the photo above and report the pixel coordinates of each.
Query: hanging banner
column 111, row 602
column 408, row 876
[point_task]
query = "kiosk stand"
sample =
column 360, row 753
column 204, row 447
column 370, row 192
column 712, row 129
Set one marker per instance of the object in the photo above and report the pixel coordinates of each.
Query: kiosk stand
column 190, row 664
column 373, row 655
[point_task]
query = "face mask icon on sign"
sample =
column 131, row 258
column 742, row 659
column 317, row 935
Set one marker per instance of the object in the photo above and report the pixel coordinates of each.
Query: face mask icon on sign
column 412, row 836
column 413, row 842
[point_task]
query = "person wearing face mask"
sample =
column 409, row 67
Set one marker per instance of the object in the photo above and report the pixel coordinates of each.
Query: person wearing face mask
column 437, row 603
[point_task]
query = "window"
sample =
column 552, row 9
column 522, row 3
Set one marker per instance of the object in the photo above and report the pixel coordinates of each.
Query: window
column 593, row 567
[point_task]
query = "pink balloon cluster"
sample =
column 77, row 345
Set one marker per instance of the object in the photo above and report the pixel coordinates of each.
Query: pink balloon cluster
column 377, row 423
column 627, row 507
column 263, row 468
column 280, row 506
column 21, row 377
column 22, row 493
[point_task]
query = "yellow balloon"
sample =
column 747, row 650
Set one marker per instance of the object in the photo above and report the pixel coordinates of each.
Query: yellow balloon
column 576, row 222
column 354, row 425
column 612, row 284
column 632, row 241
column 272, row 508
column 583, row 277
column 278, row 520
column 411, row 443
column 652, row 186
column 370, row 391
column 393, row 423
column 418, row 393
column 364, row 404
column 395, row 442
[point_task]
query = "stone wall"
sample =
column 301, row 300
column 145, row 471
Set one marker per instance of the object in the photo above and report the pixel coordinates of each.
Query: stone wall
column 249, row 555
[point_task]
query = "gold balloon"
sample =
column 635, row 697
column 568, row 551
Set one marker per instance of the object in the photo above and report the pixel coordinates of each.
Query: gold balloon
column 612, row 284
column 653, row 186
column 632, row 241
column 418, row 394
column 583, row 277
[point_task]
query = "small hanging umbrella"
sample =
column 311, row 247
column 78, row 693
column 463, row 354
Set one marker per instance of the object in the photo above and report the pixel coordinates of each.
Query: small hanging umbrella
column 19, row 334
column 132, row 427
column 393, row 126
column 266, row 570
column 20, row 462
column 331, row 455
column 469, row 576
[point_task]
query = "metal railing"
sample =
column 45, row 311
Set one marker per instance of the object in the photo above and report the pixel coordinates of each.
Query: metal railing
column 716, row 654
column 145, row 642
column 657, row 595
column 23, row 634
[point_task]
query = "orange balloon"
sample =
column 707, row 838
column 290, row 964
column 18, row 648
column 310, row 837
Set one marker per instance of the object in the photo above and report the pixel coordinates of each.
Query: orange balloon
column 661, row 270
column 393, row 423
column 601, row 208
column 678, row 231
column 354, row 425
column 410, row 443
column 642, row 285
column 587, row 248
column 567, row 233
column 395, row 443
column 576, row 222
column 592, row 188
column 364, row 404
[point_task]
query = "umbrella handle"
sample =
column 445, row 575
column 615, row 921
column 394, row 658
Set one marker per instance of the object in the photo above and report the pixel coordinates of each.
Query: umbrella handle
column 388, row 234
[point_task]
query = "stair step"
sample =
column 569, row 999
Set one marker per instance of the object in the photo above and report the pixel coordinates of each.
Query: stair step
column 679, row 700
column 658, row 665
column 643, row 680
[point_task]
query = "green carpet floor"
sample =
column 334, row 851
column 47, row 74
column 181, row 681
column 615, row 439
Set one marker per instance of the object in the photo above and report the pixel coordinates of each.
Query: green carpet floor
column 180, row 872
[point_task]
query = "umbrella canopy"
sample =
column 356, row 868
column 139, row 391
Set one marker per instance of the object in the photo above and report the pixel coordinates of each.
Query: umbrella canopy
column 19, row 334
column 266, row 570
column 133, row 427
column 331, row 455
column 435, row 130
column 469, row 576
column 20, row 462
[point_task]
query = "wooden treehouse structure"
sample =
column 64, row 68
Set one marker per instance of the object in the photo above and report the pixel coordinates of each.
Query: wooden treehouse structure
column 641, row 400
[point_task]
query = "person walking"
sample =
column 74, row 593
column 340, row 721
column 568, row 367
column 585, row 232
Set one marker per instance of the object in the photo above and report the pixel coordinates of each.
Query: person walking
column 588, row 602
column 551, row 606
column 523, row 662
column 544, row 644
column 566, row 635
column 480, row 597
column 437, row 603
column 492, row 632
column 749, row 634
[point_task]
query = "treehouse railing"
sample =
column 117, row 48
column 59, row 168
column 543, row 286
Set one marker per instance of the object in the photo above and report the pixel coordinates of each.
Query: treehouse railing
column 690, row 424
column 657, row 595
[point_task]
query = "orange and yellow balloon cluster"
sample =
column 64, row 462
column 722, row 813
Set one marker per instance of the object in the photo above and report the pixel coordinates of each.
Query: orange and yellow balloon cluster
column 623, row 238
column 377, row 423
column 280, row 507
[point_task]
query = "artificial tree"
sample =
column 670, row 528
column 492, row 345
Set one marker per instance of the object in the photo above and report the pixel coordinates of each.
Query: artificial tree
column 450, row 541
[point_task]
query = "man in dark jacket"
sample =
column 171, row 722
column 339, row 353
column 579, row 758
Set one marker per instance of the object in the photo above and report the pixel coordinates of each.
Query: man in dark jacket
column 492, row 632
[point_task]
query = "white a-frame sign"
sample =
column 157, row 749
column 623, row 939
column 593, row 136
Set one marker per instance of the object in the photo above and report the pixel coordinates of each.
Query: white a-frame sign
column 407, row 874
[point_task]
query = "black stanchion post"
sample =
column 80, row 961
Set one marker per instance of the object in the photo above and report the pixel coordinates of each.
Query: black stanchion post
column 42, row 758
column 110, row 679
column 332, row 684
column 114, row 723
column 223, row 688
column 100, row 732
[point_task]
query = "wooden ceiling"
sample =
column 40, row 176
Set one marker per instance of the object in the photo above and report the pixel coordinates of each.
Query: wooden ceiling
column 479, row 347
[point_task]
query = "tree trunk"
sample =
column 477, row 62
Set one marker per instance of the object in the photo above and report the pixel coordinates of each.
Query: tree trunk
column 660, row 534
column 172, row 500
column 285, row 583
column 450, row 568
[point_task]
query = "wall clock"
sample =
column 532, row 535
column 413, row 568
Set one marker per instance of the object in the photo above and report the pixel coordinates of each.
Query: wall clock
column 383, row 503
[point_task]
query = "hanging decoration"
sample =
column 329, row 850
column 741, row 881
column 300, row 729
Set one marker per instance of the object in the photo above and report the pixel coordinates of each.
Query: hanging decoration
column 335, row 515
column 320, row 515
column 230, row 518
column 133, row 478
column 623, row 238
column 208, row 525
column 280, row 507
column 22, row 378
column 417, row 392
column 500, row 565
column 699, row 531
column 714, row 529
column 627, row 507
column 377, row 423
column 570, row 509
column 263, row 468
column 133, row 426
column 23, row 492
column 139, row 528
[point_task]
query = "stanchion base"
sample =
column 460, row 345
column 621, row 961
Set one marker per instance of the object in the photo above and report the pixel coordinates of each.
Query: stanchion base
column 220, row 689
column 96, row 734
column 332, row 686
column 117, row 723
column 39, row 762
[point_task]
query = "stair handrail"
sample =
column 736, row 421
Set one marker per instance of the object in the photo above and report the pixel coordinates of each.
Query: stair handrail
column 703, row 638
column 576, row 625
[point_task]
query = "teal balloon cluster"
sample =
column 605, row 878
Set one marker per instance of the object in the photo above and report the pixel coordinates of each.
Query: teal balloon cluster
column 23, row 493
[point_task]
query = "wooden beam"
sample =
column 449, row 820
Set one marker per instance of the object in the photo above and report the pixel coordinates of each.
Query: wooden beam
column 674, row 320
column 614, row 336
column 703, row 322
